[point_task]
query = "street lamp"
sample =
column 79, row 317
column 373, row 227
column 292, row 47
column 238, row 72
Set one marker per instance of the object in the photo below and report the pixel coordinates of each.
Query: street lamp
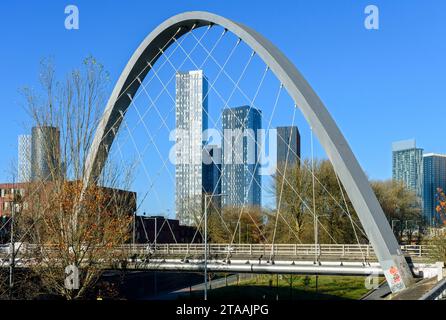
column 414, row 226
column 206, row 242
column 394, row 220
column 13, row 249
column 155, row 234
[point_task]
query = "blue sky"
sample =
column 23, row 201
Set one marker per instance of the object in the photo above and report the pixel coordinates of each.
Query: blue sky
column 379, row 85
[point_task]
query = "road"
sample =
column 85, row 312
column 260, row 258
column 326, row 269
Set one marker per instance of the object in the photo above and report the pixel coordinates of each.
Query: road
column 214, row 284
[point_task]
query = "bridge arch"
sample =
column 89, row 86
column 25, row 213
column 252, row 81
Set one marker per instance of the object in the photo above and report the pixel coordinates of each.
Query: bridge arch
column 345, row 164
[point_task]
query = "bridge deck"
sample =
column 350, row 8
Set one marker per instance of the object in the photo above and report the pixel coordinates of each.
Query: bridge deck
column 416, row 291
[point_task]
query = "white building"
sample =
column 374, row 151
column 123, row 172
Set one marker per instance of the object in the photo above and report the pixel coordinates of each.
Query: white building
column 24, row 158
column 191, row 120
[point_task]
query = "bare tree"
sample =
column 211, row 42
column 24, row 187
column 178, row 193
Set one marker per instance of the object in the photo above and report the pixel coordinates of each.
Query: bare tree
column 70, row 224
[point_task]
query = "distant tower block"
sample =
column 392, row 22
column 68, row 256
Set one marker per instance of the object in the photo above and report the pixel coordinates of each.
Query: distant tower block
column 434, row 172
column 45, row 153
column 407, row 165
column 241, row 183
column 212, row 173
column 288, row 146
column 24, row 158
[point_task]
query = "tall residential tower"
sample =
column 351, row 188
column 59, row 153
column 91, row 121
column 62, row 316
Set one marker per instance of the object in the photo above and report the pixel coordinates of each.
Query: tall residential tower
column 407, row 165
column 191, row 120
column 288, row 146
column 434, row 172
column 45, row 153
column 241, row 181
column 24, row 158
column 212, row 173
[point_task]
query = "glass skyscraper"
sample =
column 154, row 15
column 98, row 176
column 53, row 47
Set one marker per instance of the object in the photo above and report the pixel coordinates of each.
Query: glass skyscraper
column 24, row 158
column 407, row 165
column 212, row 173
column 191, row 121
column 45, row 153
column 241, row 181
column 288, row 145
column 434, row 167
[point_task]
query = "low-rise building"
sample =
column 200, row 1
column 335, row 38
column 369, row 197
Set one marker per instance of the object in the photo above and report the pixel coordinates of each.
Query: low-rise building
column 14, row 196
column 167, row 231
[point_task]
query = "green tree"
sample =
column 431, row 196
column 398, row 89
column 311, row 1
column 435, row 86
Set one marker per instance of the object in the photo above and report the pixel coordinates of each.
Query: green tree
column 293, row 188
column 236, row 224
column 401, row 207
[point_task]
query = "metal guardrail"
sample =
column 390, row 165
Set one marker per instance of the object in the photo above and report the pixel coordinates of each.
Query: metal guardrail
column 256, row 250
column 336, row 259
column 250, row 250
column 438, row 292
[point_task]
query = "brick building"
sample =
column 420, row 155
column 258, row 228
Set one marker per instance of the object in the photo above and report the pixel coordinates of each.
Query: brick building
column 13, row 195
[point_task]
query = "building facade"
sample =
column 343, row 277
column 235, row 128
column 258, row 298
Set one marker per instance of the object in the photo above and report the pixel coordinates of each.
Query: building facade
column 11, row 195
column 45, row 153
column 24, row 158
column 434, row 172
column 407, row 165
column 212, row 158
column 241, row 179
column 288, row 146
column 14, row 199
column 166, row 230
column 11, row 203
column 191, row 120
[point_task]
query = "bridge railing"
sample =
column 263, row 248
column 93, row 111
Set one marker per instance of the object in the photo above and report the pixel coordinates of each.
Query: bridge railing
column 416, row 250
column 253, row 251
column 276, row 250
column 438, row 292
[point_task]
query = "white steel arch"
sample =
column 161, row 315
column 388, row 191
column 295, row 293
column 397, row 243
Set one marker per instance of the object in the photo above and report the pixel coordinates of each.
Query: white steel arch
column 355, row 182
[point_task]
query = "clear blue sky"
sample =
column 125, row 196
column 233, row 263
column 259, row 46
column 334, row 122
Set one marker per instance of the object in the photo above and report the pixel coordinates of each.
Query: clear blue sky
column 380, row 86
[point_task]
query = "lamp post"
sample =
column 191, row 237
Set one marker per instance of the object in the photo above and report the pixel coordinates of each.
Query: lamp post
column 155, row 235
column 410, row 231
column 394, row 220
column 393, row 227
column 206, row 242
column 12, row 259
column 156, row 231
column 134, row 231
